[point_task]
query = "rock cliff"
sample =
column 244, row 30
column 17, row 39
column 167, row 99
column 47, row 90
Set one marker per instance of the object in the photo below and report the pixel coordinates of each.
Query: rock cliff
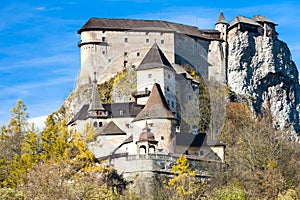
column 262, row 69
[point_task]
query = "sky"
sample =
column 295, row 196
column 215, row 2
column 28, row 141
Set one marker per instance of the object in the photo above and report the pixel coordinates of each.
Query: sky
column 40, row 59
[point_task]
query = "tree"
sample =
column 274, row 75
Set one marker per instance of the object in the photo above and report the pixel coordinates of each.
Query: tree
column 13, row 133
column 11, row 137
column 259, row 157
column 54, row 140
column 185, row 185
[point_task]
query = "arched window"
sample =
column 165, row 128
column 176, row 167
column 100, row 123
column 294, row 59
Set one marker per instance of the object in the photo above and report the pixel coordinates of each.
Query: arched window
column 142, row 150
column 152, row 150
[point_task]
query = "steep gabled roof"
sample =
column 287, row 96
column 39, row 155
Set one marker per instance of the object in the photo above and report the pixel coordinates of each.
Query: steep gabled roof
column 221, row 19
column 202, row 139
column 96, row 103
column 156, row 106
column 246, row 20
column 155, row 58
column 110, row 129
column 81, row 115
column 180, row 70
column 259, row 18
column 130, row 109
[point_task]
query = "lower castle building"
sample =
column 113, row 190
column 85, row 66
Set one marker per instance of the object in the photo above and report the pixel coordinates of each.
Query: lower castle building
column 148, row 135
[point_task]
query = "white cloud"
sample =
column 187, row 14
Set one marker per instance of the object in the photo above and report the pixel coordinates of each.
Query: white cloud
column 41, row 8
column 39, row 121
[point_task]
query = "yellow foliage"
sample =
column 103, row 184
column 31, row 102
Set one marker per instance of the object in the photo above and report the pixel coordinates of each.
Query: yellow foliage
column 185, row 184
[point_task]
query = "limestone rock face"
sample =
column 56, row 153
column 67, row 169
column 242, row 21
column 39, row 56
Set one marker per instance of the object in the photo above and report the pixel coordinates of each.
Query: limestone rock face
column 262, row 69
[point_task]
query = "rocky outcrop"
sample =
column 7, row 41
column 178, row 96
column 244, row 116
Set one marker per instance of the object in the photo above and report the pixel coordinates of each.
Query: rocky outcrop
column 262, row 69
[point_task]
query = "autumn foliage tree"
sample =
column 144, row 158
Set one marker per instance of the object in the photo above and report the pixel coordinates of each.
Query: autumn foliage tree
column 52, row 164
column 185, row 185
column 260, row 158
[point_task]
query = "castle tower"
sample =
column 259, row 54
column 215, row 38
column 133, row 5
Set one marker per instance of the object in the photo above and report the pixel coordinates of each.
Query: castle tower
column 96, row 111
column 221, row 25
column 155, row 68
column 221, row 66
column 160, row 118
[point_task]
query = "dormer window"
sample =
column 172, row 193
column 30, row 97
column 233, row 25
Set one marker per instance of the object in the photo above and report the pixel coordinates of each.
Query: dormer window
column 121, row 112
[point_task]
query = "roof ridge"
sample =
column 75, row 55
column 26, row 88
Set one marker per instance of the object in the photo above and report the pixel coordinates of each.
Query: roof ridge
column 111, row 128
column 154, row 58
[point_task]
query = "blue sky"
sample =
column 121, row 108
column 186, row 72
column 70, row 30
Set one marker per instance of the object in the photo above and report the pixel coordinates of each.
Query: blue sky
column 39, row 57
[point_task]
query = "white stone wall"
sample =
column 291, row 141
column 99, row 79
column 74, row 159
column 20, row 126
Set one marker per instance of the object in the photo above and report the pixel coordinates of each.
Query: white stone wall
column 217, row 61
column 201, row 151
column 192, row 51
column 128, row 46
column 223, row 29
column 106, row 144
column 165, row 78
column 169, row 89
column 147, row 78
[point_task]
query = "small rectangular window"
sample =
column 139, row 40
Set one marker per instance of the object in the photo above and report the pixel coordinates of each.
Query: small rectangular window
column 201, row 153
column 138, row 54
column 103, row 52
column 149, row 75
column 125, row 53
column 103, row 39
column 121, row 112
column 95, row 124
column 162, row 41
column 147, row 40
column 126, row 40
column 100, row 124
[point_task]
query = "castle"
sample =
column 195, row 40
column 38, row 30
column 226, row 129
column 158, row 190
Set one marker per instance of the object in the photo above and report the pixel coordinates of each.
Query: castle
column 146, row 135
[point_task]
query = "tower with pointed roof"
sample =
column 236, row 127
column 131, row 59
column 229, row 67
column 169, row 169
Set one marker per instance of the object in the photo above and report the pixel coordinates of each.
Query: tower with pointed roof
column 221, row 25
column 96, row 111
column 160, row 118
column 155, row 68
